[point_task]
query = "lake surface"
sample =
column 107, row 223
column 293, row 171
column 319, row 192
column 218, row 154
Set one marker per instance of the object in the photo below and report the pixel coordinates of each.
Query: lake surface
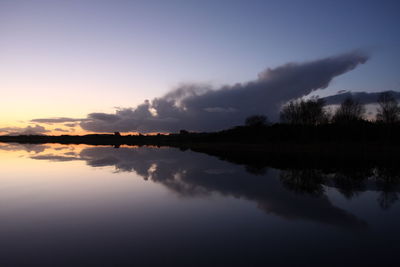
column 77, row 205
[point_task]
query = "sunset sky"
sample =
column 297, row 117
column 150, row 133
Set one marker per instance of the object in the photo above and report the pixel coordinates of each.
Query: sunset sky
column 74, row 58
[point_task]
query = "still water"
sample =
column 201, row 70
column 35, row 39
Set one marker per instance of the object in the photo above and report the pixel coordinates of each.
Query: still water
column 143, row 206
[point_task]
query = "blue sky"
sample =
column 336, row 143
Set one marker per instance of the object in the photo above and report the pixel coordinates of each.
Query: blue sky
column 119, row 53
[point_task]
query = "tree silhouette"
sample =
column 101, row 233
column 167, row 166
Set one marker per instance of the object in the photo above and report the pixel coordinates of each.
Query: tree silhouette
column 306, row 112
column 388, row 110
column 349, row 111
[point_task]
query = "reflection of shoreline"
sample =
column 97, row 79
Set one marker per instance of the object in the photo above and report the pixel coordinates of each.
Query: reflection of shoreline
column 282, row 141
column 254, row 156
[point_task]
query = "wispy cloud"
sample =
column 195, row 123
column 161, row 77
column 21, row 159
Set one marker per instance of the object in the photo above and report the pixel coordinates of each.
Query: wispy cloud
column 61, row 130
column 29, row 130
column 56, row 120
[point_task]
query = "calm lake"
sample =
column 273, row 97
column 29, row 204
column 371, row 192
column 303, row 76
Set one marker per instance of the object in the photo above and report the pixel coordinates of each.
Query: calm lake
column 78, row 205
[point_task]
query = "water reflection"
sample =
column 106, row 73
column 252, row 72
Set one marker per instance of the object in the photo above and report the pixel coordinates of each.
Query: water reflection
column 27, row 147
column 190, row 174
column 299, row 193
column 292, row 194
column 290, row 198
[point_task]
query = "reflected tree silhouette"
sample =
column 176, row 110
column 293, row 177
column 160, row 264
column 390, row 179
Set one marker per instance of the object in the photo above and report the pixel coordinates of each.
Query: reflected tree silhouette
column 307, row 181
column 387, row 198
column 351, row 182
column 387, row 178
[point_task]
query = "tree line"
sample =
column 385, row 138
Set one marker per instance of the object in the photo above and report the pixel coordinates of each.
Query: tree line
column 314, row 112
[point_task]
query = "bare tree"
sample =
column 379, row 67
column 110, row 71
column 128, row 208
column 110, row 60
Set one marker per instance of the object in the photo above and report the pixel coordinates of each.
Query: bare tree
column 349, row 111
column 388, row 110
column 306, row 112
column 256, row 120
column 291, row 113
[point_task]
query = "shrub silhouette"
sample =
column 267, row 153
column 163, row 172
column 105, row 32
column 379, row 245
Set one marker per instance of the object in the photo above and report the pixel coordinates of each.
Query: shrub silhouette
column 305, row 112
column 256, row 121
column 183, row 132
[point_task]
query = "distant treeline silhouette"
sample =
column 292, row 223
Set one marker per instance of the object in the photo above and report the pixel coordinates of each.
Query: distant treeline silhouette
column 313, row 112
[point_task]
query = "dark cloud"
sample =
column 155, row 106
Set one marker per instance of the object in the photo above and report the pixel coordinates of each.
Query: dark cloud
column 202, row 108
column 53, row 157
column 362, row 97
column 29, row 130
column 61, row 130
column 71, row 125
column 56, row 120
column 103, row 117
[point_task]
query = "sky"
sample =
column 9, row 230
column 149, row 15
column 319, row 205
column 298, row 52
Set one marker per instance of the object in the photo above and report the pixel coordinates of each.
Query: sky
column 77, row 58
